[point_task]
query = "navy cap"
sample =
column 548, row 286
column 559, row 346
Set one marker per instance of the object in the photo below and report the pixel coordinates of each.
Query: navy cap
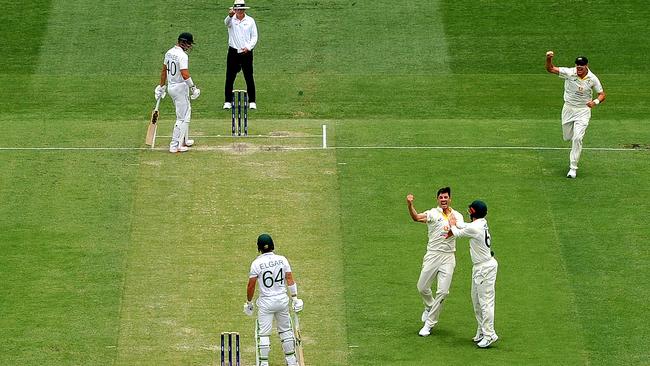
column 581, row 61
column 186, row 37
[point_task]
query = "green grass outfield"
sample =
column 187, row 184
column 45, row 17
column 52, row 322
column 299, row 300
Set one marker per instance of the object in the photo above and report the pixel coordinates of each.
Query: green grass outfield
column 113, row 254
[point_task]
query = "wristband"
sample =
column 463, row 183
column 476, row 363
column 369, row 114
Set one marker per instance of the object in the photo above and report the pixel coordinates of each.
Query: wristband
column 189, row 82
column 293, row 290
column 596, row 101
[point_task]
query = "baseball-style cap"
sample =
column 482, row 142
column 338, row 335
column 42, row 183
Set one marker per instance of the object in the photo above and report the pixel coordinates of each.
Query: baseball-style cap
column 478, row 209
column 581, row 61
column 265, row 243
column 187, row 37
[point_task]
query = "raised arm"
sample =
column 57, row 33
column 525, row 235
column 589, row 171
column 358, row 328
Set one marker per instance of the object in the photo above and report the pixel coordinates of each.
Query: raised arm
column 417, row 217
column 549, row 63
column 228, row 18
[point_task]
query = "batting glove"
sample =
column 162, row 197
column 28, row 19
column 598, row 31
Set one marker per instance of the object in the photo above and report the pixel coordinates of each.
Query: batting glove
column 195, row 92
column 248, row 308
column 160, row 92
column 297, row 305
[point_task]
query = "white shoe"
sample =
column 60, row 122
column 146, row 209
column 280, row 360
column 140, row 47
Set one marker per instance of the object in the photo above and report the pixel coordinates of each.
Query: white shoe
column 425, row 331
column 571, row 174
column 189, row 143
column 425, row 314
column 478, row 337
column 252, row 105
column 487, row 341
column 178, row 149
column 227, row 105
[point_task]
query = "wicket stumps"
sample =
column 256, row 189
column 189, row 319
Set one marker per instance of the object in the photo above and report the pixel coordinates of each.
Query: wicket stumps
column 229, row 335
column 237, row 96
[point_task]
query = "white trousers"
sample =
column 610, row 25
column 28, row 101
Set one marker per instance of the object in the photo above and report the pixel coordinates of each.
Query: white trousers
column 574, row 125
column 269, row 308
column 484, row 277
column 440, row 266
column 181, row 98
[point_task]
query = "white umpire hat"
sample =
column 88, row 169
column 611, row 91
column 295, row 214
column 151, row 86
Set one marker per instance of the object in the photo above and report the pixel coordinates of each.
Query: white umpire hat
column 240, row 4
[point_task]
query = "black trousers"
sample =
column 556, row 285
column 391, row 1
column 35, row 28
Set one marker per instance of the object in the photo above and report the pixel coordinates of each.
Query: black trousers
column 234, row 63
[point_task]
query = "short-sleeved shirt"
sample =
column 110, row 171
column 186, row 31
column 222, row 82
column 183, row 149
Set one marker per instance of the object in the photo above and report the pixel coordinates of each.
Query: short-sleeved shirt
column 479, row 239
column 577, row 91
column 271, row 272
column 176, row 60
column 438, row 227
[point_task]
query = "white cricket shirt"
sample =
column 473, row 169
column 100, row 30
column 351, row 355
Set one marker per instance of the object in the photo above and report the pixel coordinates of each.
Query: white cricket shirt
column 438, row 226
column 479, row 239
column 577, row 91
column 176, row 60
column 271, row 272
column 241, row 33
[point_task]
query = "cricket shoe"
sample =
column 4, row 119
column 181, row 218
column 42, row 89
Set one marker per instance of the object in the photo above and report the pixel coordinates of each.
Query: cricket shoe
column 425, row 314
column 253, row 105
column 425, row 331
column 571, row 174
column 178, row 149
column 227, row 105
column 479, row 336
column 487, row 341
column 189, row 143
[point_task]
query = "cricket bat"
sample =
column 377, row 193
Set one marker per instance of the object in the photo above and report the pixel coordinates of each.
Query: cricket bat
column 153, row 126
column 298, row 335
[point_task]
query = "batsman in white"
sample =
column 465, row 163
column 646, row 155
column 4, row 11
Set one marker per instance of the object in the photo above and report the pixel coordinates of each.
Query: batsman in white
column 484, row 270
column 273, row 274
column 440, row 260
column 579, row 82
column 175, row 77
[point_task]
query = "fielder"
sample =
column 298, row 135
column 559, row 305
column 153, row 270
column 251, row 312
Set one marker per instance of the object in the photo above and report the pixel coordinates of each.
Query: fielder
column 579, row 82
column 484, row 270
column 273, row 274
column 439, row 261
column 181, row 88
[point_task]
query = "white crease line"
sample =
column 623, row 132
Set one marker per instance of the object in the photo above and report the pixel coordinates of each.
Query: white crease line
column 289, row 148
column 485, row 148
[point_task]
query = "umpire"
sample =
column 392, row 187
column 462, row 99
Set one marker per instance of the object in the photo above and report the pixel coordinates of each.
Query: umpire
column 242, row 38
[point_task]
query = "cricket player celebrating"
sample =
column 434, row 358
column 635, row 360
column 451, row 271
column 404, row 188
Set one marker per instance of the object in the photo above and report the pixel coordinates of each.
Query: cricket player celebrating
column 181, row 87
column 579, row 82
column 484, row 270
column 440, row 260
column 273, row 274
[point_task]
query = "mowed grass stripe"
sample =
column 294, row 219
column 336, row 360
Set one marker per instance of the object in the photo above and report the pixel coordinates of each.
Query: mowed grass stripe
column 196, row 218
column 23, row 30
column 607, row 264
column 64, row 227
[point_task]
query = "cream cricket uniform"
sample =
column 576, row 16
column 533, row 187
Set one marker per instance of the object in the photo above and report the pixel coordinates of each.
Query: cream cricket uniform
column 176, row 60
column 271, row 270
column 576, row 113
column 439, row 261
column 484, row 273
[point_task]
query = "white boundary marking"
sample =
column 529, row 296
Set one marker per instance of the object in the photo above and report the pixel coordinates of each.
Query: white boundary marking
column 289, row 148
